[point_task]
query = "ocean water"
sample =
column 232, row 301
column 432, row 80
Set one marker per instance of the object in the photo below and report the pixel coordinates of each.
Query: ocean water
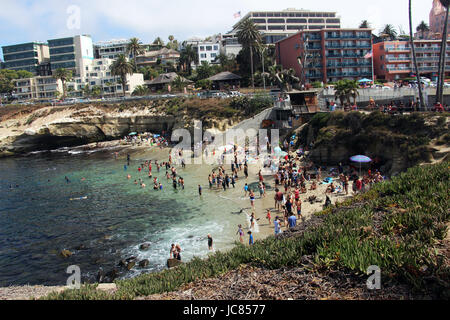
column 38, row 219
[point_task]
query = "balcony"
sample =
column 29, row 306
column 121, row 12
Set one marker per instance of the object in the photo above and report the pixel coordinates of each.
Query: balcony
column 353, row 55
column 434, row 49
column 313, row 76
column 397, row 49
column 332, row 36
column 401, row 69
column 394, row 59
column 314, row 66
column 334, row 55
column 313, row 48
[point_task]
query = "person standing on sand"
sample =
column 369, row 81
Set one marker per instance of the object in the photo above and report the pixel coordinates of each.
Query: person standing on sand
column 245, row 190
column 252, row 221
column 252, row 199
column 241, row 233
column 292, row 221
column 276, row 223
column 268, row 216
column 278, row 199
column 250, row 238
column 200, row 190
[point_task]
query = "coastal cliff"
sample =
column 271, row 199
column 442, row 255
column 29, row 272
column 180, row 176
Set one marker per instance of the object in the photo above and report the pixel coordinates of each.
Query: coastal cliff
column 396, row 142
column 37, row 128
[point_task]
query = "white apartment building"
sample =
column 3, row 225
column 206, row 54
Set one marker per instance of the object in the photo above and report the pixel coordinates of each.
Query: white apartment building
column 25, row 56
column 37, row 88
column 208, row 51
column 74, row 53
column 277, row 25
column 98, row 73
column 111, row 49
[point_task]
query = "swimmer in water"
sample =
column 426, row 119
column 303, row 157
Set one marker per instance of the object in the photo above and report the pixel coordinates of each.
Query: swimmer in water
column 128, row 177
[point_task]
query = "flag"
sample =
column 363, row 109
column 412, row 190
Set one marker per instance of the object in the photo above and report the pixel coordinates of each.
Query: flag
column 369, row 55
column 237, row 14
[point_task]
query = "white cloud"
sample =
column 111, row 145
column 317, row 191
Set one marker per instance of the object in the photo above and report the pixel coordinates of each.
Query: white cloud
column 22, row 20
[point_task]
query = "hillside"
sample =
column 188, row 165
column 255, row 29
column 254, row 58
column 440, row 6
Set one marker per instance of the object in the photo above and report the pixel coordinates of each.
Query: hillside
column 401, row 226
column 396, row 142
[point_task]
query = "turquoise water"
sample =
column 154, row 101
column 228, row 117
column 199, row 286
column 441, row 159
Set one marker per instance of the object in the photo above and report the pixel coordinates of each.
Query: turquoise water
column 38, row 219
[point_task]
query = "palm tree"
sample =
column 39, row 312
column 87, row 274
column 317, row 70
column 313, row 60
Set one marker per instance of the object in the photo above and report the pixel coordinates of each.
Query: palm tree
column 414, row 57
column 249, row 36
column 346, row 89
column 135, row 48
column 364, row 24
column 389, row 32
column 158, row 41
column 442, row 62
column 64, row 75
column 423, row 27
column 188, row 56
column 121, row 68
column 140, row 91
column 179, row 83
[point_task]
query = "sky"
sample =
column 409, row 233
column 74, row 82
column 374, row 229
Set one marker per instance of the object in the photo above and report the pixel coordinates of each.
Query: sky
column 39, row 20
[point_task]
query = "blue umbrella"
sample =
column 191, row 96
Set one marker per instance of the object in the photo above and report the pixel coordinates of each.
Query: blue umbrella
column 365, row 80
column 360, row 159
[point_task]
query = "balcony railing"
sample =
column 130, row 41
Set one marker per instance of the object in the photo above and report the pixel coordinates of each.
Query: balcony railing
column 334, row 55
column 333, row 36
column 398, row 59
column 393, row 49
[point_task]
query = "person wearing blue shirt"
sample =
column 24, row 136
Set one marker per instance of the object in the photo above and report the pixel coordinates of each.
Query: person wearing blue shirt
column 250, row 239
column 292, row 221
column 276, row 223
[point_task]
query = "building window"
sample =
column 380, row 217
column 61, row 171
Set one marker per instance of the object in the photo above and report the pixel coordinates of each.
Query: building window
column 216, row 48
column 208, row 48
column 202, row 48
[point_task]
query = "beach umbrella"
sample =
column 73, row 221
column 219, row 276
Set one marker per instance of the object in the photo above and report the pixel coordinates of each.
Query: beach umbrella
column 364, row 80
column 133, row 134
column 360, row 159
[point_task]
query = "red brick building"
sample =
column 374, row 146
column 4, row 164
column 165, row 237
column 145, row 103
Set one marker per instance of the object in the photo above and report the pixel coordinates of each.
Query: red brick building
column 393, row 59
column 329, row 54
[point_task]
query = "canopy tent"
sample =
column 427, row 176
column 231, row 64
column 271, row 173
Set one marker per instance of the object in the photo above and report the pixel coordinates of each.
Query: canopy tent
column 365, row 80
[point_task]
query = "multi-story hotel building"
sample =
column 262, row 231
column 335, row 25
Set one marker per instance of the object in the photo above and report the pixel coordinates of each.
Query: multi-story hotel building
column 37, row 88
column 329, row 54
column 437, row 18
column 25, row 56
column 98, row 73
column 276, row 25
column 111, row 49
column 74, row 53
column 393, row 59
